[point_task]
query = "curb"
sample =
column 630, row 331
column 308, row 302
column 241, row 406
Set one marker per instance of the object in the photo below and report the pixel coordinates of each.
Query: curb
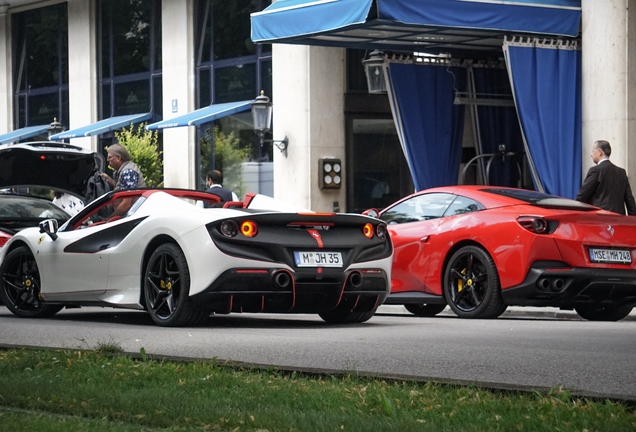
column 512, row 312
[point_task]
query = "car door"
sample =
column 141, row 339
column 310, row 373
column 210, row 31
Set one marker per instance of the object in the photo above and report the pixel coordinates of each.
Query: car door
column 74, row 266
column 411, row 224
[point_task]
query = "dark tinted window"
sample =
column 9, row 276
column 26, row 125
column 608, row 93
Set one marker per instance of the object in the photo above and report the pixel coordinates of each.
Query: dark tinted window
column 129, row 54
column 17, row 207
column 540, row 199
column 40, row 66
column 462, row 205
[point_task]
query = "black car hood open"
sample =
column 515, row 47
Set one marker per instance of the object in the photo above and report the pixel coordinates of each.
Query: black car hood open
column 48, row 165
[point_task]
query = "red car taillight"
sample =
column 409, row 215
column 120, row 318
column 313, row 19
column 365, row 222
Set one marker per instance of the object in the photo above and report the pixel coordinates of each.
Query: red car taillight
column 535, row 224
column 4, row 239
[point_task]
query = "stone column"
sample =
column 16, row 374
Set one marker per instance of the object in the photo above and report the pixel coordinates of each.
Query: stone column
column 609, row 80
column 178, row 91
column 308, row 86
column 6, row 88
column 82, row 68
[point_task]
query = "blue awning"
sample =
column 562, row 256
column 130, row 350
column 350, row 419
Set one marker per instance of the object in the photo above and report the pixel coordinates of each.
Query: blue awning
column 203, row 115
column 413, row 25
column 23, row 133
column 102, row 126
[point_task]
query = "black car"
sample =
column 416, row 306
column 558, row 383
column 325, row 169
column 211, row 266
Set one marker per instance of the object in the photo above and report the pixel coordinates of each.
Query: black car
column 57, row 166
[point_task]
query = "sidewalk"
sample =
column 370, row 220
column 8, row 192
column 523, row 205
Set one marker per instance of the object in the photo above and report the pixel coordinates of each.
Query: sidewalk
column 512, row 311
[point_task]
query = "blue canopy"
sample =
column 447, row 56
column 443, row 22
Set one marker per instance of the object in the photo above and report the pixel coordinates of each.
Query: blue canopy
column 23, row 133
column 203, row 115
column 102, row 126
column 413, row 24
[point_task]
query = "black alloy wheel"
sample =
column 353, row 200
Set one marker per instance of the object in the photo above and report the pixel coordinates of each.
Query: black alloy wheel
column 603, row 313
column 167, row 287
column 425, row 310
column 20, row 285
column 471, row 284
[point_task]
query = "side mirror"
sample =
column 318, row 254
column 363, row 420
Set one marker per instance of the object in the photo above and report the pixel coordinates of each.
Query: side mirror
column 372, row 212
column 49, row 227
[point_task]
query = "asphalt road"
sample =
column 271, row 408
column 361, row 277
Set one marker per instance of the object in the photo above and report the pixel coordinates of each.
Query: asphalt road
column 520, row 352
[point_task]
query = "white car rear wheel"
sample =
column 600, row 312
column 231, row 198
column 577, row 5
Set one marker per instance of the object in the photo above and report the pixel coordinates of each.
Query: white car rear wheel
column 166, row 289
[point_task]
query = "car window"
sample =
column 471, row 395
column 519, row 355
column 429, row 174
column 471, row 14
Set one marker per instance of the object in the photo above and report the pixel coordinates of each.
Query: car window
column 418, row 208
column 461, row 205
column 117, row 207
column 16, row 207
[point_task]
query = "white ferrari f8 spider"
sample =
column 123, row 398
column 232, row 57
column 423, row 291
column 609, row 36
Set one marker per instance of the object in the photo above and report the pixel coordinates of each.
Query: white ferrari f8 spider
column 182, row 262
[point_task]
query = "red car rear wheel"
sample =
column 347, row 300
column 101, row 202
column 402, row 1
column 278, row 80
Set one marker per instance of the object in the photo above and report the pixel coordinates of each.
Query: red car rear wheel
column 471, row 284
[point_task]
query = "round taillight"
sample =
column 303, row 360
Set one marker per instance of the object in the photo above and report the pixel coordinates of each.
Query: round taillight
column 229, row 228
column 540, row 225
column 367, row 230
column 535, row 224
column 380, row 231
column 249, row 228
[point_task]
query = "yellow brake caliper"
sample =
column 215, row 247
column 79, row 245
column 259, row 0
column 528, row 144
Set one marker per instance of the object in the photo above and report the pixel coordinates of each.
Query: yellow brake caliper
column 460, row 283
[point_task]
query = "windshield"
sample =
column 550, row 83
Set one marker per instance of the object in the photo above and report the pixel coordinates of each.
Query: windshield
column 18, row 210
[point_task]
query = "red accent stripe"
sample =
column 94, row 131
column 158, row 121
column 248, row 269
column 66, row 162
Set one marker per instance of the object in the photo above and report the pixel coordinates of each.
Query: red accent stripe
column 316, row 235
column 252, row 271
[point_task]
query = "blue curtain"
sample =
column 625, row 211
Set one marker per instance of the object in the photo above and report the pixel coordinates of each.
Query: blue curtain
column 429, row 125
column 546, row 80
column 499, row 125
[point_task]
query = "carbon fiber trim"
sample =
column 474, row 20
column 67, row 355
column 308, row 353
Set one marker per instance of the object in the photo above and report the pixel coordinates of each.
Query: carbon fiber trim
column 104, row 239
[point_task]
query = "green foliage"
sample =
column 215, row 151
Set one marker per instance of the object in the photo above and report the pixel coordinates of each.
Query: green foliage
column 96, row 390
column 144, row 151
column 228, row 157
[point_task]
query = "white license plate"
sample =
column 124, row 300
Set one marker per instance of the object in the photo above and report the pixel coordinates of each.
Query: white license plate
column 318, row 259
column 610, row 256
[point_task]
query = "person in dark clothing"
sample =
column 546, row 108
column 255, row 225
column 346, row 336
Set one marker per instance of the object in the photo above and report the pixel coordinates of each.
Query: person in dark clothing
column 606, row 185
column 214, row 182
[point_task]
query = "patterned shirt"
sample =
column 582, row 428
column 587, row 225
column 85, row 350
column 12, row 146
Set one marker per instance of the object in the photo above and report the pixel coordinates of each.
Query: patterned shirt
column 129, row 179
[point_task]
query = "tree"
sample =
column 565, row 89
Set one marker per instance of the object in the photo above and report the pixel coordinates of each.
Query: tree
column 142, row 146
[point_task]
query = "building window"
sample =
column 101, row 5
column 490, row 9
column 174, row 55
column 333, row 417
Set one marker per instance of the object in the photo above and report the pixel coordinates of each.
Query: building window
column 229, row 68
column 40, row 66
column 129, row 54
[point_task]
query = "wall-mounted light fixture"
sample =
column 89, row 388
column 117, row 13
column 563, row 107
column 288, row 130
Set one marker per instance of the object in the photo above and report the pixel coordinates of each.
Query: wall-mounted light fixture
column 55, row 128
column 262, row 117
column 375, row 73
column 330, row 175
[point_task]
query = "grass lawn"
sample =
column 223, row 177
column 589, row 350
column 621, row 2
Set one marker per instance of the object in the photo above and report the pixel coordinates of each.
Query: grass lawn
column 72, row 390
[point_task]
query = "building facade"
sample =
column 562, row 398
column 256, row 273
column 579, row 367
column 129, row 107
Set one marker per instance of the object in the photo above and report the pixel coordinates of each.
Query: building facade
column 82, row 61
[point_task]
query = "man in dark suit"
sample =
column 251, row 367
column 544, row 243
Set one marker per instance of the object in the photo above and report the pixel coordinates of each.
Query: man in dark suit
column 214, row 182
column 606, row 185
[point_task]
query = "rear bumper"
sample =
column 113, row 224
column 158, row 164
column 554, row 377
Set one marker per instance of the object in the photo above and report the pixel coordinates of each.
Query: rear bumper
column 283, row 291
column 570, row 287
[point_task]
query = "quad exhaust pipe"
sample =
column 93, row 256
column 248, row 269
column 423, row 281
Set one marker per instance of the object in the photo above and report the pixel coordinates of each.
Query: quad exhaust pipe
column 554, row 285
column 281, row 279
column 354, row 280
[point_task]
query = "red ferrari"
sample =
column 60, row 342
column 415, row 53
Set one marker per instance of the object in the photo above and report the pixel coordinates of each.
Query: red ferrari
column 479, row 249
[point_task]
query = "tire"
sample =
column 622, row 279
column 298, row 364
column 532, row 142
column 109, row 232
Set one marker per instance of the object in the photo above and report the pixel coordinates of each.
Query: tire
column 346, row 317
column 167, row 289
column 603, row 313
column 20, row 285
column 425, row 310
column 471, row 284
